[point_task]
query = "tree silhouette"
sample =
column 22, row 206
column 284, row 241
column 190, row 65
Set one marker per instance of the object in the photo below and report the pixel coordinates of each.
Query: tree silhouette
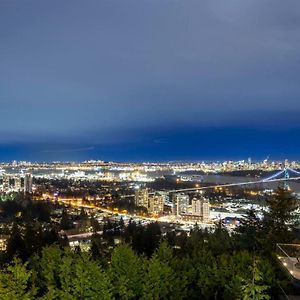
column 279, row 220
column 249, row 233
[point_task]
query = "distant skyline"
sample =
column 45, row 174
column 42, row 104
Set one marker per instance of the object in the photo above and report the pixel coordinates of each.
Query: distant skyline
column 157, row 80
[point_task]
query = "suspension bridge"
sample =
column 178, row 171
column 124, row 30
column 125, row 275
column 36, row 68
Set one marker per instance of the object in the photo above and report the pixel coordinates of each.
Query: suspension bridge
column 283, row 176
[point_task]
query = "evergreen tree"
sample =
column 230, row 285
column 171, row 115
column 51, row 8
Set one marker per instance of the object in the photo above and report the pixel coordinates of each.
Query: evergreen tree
column 219, row 241
column 249, row 233
column 178, row 280
column 253, row 288
column 47, row 268
column 32, row 241
column 147, row 240
column 158, row 280
column 130, row 231
column 279, row 220
column 98, row 250
column 15, row 282
column 83, row 278
column 15, row 244
column 125, row 272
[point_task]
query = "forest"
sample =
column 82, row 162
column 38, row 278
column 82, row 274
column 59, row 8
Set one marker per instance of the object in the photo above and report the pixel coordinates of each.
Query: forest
column 147, row 264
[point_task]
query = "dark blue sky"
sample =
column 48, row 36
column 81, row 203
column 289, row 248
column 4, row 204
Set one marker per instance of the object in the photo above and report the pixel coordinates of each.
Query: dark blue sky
column 149, row 80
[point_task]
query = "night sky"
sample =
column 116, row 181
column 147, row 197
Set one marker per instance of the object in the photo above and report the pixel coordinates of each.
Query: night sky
column 153, row 80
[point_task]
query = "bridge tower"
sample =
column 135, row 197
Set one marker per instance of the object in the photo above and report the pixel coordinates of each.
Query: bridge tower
column 286, row 176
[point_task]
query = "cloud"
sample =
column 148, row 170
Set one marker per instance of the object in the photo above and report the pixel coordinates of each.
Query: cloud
column 84, row 149
column 113, row 66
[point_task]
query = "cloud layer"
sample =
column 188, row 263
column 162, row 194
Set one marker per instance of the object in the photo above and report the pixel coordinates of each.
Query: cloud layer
column 104, row 71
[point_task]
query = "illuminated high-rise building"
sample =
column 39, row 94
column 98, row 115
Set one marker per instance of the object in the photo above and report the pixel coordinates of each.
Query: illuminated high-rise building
column 205, row 210
column 5, row 181
column 180, row 203
column 156, row 203
column 142, row 198
column 196, row 207
column 200, row 211
column 28, row 183
column 18, row 185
